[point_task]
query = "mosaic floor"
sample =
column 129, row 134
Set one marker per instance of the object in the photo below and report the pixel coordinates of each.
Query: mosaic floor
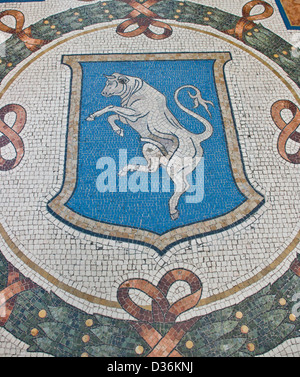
column 149, row 177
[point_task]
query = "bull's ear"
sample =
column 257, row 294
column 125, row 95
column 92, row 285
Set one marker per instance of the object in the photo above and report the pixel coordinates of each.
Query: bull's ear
column 123, row 79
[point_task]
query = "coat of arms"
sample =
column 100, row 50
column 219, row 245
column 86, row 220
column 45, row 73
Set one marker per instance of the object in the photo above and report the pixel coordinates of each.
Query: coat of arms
column 152, row 152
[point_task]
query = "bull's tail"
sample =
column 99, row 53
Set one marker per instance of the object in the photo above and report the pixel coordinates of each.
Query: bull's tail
column 198, row 100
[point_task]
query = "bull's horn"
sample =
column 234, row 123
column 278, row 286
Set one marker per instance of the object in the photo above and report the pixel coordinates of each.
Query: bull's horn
column 110, row 77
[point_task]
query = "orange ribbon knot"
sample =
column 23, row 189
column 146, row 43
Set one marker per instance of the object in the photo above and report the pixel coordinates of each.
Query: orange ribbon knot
column 11, row 135
column 143, row 17
column 25, row 35
column 9, row 294
column 288, row 130
column 162, row 310
column 246, row 22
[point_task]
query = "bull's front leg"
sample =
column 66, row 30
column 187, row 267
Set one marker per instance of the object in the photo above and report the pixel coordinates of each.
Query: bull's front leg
column 97, row 114
column 125, row 112
column 112, row 121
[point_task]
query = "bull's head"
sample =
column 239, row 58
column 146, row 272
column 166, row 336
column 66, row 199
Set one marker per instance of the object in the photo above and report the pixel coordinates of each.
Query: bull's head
column 115, row 85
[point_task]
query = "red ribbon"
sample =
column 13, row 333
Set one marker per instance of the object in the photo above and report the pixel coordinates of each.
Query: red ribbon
column 9, row 294
column 143, row 17
column 295, row 267
column 11, row 135
column 162, row 310
column 246, row 22
column 25, row 35
column 288, row 130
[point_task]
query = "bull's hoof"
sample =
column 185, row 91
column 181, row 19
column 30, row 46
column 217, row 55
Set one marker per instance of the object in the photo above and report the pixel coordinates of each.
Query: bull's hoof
column 120, row 133
column 123, row 173
column 174, row 215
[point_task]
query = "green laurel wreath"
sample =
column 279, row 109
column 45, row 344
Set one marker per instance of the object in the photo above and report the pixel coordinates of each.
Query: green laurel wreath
column 266, row 319
column 263, row 40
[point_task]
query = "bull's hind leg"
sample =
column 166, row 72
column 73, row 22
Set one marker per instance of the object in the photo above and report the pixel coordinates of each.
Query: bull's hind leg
column 152, row 155
column 178, row 170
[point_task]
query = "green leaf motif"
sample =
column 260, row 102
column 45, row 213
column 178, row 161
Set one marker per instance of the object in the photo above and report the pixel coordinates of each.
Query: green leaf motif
column 222, row 348
column 254, row 307
column 270, row 320
column 108, row 351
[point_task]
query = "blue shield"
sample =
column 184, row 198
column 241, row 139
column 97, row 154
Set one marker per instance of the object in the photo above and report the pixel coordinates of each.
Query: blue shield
column 135, row 207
